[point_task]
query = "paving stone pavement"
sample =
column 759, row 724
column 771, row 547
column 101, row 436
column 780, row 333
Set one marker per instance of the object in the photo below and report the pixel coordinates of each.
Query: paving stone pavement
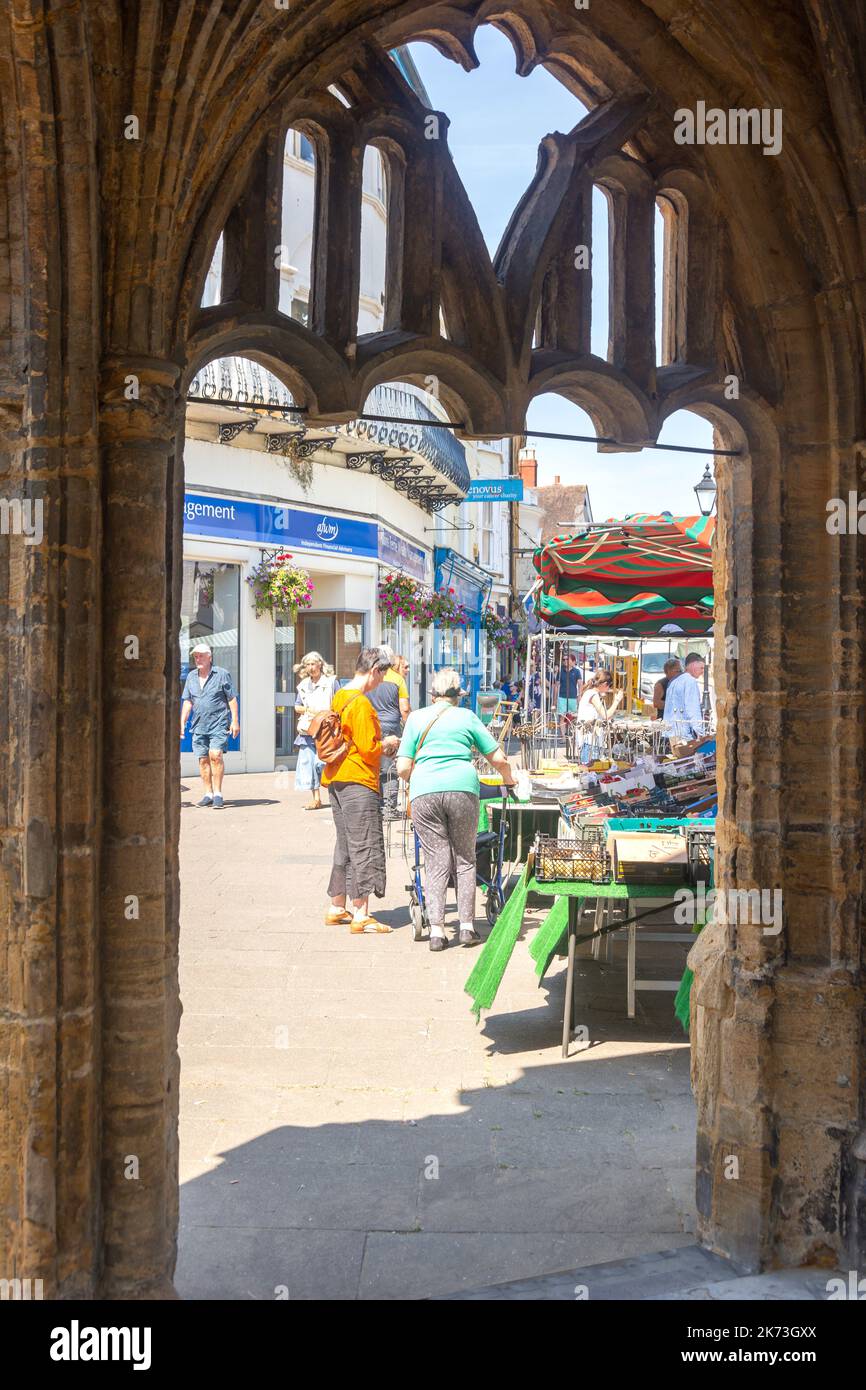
column 348, row 1132
column 688, row 1274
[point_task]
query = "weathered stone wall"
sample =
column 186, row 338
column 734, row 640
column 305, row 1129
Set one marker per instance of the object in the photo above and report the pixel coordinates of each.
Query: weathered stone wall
column 104, row 243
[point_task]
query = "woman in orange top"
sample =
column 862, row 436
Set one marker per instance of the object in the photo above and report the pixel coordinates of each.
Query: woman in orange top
column 353, row 785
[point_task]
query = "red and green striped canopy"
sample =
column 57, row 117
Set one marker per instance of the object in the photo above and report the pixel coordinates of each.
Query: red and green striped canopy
column 641, row 576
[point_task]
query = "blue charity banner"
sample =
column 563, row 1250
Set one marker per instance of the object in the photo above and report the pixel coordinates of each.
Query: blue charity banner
column 235, row 518
column 495, row 490
column 398, row 554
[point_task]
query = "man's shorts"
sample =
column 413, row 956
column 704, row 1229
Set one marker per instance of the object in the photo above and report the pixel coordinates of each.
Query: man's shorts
column 205, row 743
column 566, row 706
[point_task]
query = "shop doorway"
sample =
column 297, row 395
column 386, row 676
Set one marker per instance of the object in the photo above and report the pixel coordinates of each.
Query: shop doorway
column 316, row 633
column 338, row 637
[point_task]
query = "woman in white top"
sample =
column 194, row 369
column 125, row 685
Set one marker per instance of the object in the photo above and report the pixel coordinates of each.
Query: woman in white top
column 315, row 693
column 592, row 710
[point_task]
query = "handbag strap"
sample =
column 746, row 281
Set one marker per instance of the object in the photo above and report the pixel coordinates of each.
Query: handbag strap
column 420, row 743
column 349, row 739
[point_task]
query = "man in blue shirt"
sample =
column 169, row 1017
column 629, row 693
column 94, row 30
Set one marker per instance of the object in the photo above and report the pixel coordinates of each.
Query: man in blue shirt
column 210, row 693
column 683, row 702
column 569, row 690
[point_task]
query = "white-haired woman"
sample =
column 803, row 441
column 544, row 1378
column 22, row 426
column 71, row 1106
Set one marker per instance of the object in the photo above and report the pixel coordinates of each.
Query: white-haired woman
column 435, row 757
column 315, row 693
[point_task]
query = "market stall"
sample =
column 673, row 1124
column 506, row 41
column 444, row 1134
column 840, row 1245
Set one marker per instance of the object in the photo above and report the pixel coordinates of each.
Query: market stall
column 634, row 818
column 640, row 576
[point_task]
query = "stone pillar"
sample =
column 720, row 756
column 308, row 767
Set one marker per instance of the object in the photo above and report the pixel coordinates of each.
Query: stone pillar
column 49, row 1028
column 777, row 1015
column 142, row 549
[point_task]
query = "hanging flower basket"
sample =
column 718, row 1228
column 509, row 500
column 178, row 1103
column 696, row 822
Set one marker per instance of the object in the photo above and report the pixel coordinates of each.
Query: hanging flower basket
column 446, row 611
column 401, row 596
column 499, row 630
column 279, row 586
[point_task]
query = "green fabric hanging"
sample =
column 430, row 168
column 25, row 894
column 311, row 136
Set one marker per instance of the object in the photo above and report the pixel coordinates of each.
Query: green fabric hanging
column 491, row 965
column 549, row 935
column 682, row 1001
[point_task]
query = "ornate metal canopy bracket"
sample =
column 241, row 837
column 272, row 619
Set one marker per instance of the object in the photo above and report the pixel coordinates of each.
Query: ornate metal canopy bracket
column 231, row 431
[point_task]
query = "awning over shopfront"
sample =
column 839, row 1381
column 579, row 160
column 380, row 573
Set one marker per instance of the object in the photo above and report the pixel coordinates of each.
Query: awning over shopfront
column 471, row 583
column 644, row 576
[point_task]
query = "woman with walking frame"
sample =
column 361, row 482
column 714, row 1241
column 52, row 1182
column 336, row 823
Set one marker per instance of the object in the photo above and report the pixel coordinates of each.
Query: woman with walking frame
column 435, row 757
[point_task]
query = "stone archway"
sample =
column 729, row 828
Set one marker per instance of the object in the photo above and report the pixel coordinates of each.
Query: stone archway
column 117, row 222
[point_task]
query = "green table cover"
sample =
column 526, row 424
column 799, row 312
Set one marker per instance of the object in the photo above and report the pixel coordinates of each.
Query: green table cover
column 489, row 969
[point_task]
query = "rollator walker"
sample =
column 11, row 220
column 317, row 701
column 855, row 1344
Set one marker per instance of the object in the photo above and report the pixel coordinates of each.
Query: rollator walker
column 489, row 869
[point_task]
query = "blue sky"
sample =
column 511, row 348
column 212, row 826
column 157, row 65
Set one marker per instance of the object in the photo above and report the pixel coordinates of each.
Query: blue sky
column 497, row 121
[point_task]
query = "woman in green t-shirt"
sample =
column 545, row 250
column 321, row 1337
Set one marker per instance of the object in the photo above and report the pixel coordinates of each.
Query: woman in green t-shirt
column 435, row 757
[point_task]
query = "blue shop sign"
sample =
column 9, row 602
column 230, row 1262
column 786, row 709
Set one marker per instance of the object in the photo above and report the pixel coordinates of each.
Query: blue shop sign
column 495, row 490
column 237, row 519
column 398, row 554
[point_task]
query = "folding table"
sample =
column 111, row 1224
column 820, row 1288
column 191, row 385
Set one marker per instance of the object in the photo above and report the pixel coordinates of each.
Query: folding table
column 552, row 930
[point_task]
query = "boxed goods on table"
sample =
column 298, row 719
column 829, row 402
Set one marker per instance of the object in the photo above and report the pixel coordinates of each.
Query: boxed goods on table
column 641, row 857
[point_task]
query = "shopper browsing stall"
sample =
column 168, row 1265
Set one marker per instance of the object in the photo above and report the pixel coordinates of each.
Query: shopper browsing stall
column 570, row 684
column 672, row 668
column 683, row 703
column 592, row 710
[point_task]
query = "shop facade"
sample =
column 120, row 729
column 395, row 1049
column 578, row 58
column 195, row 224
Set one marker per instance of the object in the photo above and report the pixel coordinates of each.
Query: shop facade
column 351, row 504
column 226, row 537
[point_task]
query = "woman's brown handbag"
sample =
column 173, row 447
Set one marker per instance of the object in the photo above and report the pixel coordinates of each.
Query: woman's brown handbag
column 418, row 750
column 327, row 732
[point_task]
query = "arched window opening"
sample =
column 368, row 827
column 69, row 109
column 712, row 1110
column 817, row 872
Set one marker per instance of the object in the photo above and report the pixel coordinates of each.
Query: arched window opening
column 212, row 293
column 374, row 242
column 683, row 472
column 671, row 230
column 497, row 120
column 297, row 225
column 662, row 286
column 618, row 483
column 602, row 240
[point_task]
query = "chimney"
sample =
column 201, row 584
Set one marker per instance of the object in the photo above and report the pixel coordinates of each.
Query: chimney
column 528, row 468
column 556, row 480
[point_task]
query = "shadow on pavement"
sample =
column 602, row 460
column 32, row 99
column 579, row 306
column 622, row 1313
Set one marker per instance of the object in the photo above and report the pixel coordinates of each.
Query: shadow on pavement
column 571, row 1164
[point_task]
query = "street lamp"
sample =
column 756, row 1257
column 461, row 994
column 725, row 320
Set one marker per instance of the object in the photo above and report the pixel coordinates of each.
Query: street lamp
column 705, row 491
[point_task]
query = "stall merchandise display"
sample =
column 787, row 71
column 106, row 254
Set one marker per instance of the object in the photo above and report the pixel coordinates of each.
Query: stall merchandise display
column 586, row 860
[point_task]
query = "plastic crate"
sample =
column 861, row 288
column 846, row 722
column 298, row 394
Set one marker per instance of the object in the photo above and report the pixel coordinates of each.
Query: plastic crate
column 583, row 861
column 701, row 850
column 706, row 825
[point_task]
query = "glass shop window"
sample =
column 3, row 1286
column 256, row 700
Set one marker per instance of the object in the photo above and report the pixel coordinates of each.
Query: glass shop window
column 210, row 610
